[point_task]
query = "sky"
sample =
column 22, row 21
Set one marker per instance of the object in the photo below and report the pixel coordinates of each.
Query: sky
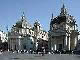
column 41, row 10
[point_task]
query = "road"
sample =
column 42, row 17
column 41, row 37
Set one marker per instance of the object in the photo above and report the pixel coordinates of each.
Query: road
column 15, row 56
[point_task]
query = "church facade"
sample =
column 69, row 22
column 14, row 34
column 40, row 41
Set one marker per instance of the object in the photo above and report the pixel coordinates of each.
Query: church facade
column 24, row 36
column 63, row 33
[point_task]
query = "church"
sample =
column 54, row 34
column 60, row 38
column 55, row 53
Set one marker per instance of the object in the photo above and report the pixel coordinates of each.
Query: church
column 63, row 33
column 24, row 36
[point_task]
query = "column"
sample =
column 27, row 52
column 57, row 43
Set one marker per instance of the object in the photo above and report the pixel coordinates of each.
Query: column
column 76, row 39
column 52, row 48
column 51, row 43
column 55, row 43
column 12, row 44
column 8, row 44
column 15, row 43
column 55, row 47
column 19, row 43
column 66, row 40
column 69, row 42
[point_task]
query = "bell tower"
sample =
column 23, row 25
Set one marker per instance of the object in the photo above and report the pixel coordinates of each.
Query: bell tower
column 36, row 28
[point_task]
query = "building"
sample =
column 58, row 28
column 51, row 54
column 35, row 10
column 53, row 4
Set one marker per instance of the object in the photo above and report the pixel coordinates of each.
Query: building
column 63, row 33
column 3, row 40
column 24, row 36
column 3, row 37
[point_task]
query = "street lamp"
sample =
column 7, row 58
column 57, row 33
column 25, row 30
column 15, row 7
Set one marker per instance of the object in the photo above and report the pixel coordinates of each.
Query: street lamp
column 7, row 38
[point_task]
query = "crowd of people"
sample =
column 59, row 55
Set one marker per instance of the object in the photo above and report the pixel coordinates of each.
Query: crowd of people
column 43, row 52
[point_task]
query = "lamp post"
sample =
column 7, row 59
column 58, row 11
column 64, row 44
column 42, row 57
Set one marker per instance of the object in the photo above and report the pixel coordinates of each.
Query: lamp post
column 7, row 38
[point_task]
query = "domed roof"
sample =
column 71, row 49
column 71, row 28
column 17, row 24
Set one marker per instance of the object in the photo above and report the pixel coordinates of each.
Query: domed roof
column 22, row 22
column 61, row 17
column 58, row 20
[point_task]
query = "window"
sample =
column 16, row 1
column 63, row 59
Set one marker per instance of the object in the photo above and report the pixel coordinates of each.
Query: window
column 29, row 31
column 31, row 42
column 42, row 36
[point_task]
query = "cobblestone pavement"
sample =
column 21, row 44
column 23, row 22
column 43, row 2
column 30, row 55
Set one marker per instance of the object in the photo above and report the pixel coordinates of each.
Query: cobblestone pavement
column 18, row 56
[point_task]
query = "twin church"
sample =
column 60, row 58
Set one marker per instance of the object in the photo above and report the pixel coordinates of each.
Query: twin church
column 63, row 34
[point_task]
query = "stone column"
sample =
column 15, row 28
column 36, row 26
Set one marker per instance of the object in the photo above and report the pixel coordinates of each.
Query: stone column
column 69, row 42
column 55, row 47
column 55, row 44
column 66, row 40
column 12, row 44
column 8, row 44
column 52, row 44
column 16, row 43
column 19, row 42
column 76, row 39
column 49, row 44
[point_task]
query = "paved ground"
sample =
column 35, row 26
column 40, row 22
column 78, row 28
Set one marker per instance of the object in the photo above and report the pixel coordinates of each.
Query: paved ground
column 11, row 56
